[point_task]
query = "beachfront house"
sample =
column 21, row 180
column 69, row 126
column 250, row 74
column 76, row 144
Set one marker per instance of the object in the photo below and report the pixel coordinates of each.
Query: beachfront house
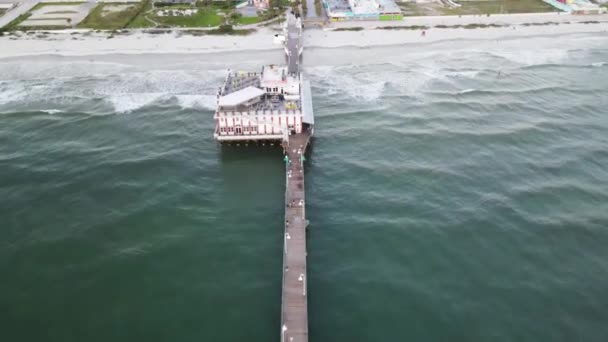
column 339, row 10
column 260, row 4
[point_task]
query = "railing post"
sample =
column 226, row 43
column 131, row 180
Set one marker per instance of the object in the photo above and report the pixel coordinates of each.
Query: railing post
column 287, row 237
column 283, row 331
column 302, row 278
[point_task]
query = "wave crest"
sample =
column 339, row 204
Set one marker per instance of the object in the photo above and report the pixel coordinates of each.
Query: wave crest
column 124, row 92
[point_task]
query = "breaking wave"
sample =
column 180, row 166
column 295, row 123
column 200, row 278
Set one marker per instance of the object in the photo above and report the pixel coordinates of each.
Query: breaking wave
column 196, row 101
column 125, row 103
column 448, row 68
column 52, row 111
column 124, row 92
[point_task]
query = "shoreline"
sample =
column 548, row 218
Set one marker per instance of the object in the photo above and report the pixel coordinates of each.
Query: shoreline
column 81, row 42
column 382, row 37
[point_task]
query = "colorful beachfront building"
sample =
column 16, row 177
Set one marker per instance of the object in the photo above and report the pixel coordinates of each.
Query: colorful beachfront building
column 340, row 10
column 260, row 4
column 576, row 6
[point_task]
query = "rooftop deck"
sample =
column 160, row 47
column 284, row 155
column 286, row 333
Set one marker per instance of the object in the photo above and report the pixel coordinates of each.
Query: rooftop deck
column 242, row 83
column 267, row 104
column 239, row 80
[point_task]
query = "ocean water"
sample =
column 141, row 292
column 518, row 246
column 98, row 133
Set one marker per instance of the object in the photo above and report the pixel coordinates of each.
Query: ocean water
column 457, row 191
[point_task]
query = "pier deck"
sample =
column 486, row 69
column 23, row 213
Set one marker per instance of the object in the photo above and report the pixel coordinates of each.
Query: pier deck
column 294, row 307
column 277, row 105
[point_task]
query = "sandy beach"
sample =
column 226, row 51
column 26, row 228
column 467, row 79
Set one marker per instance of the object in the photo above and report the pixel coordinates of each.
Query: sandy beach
column 82, row 43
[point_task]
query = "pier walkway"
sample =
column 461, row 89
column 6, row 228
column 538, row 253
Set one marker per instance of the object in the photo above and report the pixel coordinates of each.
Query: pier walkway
column 294, row 306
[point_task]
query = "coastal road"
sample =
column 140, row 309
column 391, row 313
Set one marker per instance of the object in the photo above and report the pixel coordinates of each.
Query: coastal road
column 22, row 7
column 83, row 10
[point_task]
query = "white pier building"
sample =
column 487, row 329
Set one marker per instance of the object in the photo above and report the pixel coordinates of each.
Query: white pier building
column 267, row 105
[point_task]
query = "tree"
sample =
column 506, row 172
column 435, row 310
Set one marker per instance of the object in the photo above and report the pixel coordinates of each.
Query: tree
column 235, row 15
column 275, row 3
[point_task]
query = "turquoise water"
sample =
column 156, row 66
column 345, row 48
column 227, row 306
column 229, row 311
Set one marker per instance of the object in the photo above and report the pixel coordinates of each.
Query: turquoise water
column 457, row 191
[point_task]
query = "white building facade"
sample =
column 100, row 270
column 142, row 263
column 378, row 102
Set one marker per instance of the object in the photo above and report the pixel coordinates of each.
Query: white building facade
column 264, row 106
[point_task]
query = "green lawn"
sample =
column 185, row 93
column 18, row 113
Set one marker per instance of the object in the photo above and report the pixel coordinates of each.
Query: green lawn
column 42, row 4
column 140, row 21
column 476, row 7
column 248, row 20
column 14, row 25
column 499, row 6
column 205, row 17
column 416, row 10
column 108, row 20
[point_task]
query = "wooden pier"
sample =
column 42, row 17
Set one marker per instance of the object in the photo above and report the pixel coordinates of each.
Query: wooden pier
column 294, row 306
column 291, row 113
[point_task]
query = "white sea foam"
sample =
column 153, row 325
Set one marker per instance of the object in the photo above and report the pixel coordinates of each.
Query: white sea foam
column 136, row 90
column 599, row 64
column 52, row 111
column 52, row 81
column 196, row 101
column 359, row 85
column 11, row 92
column 529, row 56
column 443, row 67
column 58, row 69
column 464, row 73
column 370, row 83
column 125, row 103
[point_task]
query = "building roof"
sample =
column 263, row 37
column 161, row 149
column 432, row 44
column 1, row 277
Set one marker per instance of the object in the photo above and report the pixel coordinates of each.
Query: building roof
column 309, row 116
column 274, row 73
column 240, row 96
